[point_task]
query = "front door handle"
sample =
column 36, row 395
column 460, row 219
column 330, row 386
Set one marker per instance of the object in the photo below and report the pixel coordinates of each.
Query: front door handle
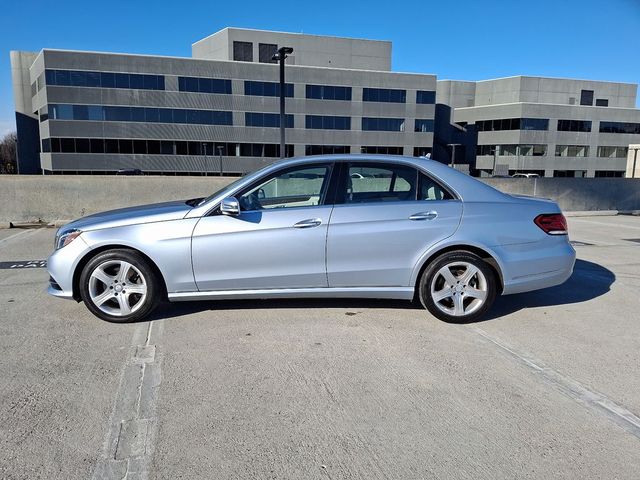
column 308, row 223
column 424, row 216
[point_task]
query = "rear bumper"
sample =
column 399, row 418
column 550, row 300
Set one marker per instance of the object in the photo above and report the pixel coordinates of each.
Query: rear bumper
column 537, row 265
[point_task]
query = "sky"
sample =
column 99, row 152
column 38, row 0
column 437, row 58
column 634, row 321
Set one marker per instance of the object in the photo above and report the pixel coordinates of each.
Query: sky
column 454, row 39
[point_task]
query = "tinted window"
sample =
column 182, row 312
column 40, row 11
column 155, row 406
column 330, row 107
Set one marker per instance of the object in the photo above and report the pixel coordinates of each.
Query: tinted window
column 380, row 183
column 295, row 187
column 384, row 95
column 267, row 89
column 266, row 52
column 327, row 122
column 383, row 124
column 256, row 119
column 574, row 125
column 423, row 125
column 243, row 51
column 328, row 92
column 586, row 97
column 423, row 96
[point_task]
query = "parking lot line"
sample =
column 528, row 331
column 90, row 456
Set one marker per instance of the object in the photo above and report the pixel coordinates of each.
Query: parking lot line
column 570, row 387
column 607, row 224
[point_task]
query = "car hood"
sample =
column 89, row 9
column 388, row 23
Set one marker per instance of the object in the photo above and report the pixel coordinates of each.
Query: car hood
column 157, row 212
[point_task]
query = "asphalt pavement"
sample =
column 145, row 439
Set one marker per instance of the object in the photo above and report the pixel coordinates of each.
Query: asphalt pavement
column 546, row 387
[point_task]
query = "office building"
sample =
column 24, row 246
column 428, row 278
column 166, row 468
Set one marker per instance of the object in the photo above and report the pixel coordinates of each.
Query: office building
column 218, row 111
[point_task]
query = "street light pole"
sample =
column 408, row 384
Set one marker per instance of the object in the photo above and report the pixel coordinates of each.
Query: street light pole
column 220, row 148
column 453, row 152
column 280, row 56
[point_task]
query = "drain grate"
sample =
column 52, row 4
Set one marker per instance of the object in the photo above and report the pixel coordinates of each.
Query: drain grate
column 19, row 264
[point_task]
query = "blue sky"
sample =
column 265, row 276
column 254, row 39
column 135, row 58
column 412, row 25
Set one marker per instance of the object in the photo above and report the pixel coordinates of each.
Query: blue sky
column 455, row 39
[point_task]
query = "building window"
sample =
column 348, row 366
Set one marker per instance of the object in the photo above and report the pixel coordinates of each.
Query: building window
column 574, row 125
column 423, row 125
column 586, row 97
column 326, row 122
column 612, row 152
column 78, row 78
column 204, row 85
column 127, row 146
column 570, row 173
column 620, row 127
column 266, row 51
column 381, row 150
column 609, row 174
column 383, row 124
column 326, row 149
column 384, row 95
column 513, row 150
column 532, row 150
column 512, row 124
column 328, row 92
column 267, row 89
column 257, row 119
column 425, row 96
column 138, row 114
column 572, row 150
column 421, row 151
column 243, row 51
column 602, row 102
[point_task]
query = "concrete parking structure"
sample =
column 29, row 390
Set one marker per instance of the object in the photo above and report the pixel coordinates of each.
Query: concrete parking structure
column 545, row 387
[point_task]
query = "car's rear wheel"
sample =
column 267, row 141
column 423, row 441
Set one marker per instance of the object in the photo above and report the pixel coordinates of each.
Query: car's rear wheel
column 119, row 286
column 458, row 287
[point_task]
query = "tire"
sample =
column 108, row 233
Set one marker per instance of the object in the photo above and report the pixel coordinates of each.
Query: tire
column 118, row 295
column 463, row 296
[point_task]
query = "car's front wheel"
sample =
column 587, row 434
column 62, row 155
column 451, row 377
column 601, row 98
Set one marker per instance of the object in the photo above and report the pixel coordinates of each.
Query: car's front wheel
column 119, row 286
column 458, row 287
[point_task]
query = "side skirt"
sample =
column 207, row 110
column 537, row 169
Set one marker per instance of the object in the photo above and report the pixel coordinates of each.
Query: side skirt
column 400, row 293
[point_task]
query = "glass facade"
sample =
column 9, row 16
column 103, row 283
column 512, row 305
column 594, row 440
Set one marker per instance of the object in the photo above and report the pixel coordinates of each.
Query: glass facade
column 204, row 85
column 423, row 125
column 538, row 150
column 80, row 78
column 257, row 119
column 384, row 95
column 383, row 124
column 326, row 149
column 138, row 114
column 620, row 127
column 381, row 150
column 512, row 124
column 161, row 147
column 267, row 89
column 425, row 96
column 327, row 122
column 572, row 150
column 328, row 92
column 575, row 125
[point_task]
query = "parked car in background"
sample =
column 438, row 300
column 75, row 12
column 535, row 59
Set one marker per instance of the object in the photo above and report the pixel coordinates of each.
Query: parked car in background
column 328, row 226
column 129, row 171
column 525, row 175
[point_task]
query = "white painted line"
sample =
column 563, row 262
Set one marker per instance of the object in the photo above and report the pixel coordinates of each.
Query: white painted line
column 571, row 388
column 19, row 234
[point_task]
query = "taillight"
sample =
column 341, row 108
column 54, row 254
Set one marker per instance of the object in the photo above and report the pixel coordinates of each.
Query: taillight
column 552, row 223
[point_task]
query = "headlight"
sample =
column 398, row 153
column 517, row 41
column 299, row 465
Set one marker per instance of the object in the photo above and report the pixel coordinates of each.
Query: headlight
column 65, row 238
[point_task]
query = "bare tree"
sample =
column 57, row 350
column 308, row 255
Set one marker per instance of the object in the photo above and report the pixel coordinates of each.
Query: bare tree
column 8, row 153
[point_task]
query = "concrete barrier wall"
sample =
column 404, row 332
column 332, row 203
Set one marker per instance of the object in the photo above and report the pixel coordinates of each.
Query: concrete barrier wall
column 26, row 198
column 576, row 194
column 32, row 198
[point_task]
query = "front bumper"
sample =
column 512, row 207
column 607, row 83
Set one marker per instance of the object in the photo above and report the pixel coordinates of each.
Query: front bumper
column 61, row 265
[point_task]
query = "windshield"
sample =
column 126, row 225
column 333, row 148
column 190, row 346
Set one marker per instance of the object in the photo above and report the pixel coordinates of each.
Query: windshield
column 232, row 185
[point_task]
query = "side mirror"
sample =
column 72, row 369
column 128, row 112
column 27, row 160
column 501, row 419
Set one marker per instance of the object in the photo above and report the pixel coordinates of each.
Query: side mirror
column 230, row 206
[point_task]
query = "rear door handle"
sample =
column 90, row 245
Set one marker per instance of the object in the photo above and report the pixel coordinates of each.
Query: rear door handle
column 308, row 223
column 424, row 216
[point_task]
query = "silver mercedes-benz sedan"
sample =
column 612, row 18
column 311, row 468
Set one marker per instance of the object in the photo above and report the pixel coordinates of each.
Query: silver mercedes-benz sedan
column 328, row 226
